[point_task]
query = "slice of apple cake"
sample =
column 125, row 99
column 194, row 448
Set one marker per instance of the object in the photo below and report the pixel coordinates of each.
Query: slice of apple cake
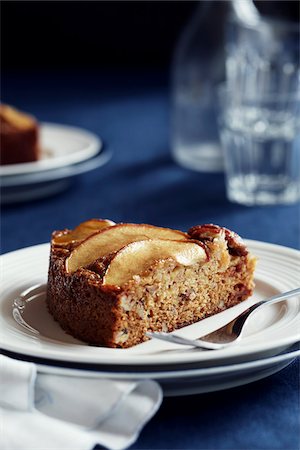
column 110, row 283
column 19, row 136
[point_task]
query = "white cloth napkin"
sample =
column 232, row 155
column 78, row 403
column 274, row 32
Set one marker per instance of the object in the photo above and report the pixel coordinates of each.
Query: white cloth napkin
column 53, row 412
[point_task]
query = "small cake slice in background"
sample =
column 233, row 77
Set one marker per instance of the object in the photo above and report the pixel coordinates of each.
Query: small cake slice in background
column 19, row 136
column 110, row 283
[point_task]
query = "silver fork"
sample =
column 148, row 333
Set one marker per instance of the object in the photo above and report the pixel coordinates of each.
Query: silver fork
column 226, row 335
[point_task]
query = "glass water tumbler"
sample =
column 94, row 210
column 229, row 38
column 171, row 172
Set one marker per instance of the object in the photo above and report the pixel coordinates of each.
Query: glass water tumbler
column 261, row 144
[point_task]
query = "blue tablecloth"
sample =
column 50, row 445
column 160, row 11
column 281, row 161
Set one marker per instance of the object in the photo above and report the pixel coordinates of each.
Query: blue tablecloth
column 142, row 184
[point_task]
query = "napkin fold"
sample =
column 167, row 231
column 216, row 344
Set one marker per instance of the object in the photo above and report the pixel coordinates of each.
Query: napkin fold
column 54, row 412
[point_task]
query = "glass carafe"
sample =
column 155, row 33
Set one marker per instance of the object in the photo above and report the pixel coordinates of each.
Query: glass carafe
column 198, row 66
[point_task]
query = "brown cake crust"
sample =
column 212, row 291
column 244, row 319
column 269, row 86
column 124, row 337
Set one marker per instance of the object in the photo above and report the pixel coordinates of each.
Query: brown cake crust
column 166, row 297
column 19, row 134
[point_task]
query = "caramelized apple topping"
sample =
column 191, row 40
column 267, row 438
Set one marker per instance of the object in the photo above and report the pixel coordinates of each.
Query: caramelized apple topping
column 136, row 257
column 82, row 231
column 112, row 239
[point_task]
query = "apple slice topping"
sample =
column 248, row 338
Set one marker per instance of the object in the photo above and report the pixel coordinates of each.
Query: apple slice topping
column 82, row 231
column 136, row 257
column 113, row 239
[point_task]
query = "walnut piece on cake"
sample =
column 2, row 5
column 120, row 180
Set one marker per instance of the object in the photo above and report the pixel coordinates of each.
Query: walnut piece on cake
column 19, row 136
column 110, row 283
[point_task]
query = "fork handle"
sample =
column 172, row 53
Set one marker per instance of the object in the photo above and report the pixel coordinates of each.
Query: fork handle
column 276, row 298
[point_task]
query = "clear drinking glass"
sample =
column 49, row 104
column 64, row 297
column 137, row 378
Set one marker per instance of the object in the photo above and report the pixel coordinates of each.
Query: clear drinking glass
column 260, row 109
column 260, row 137
column 262, row 55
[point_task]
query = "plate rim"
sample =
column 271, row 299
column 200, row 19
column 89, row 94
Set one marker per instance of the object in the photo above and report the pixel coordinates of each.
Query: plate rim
column 143, row 359
column 218, row 369
column 95, row 146
column 47, row 177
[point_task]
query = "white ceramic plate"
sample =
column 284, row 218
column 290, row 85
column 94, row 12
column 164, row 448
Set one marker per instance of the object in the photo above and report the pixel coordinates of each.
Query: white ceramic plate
column 61, row 146
column 66, row 153
column 29, row 186
column 193, row 381
column 268, row 332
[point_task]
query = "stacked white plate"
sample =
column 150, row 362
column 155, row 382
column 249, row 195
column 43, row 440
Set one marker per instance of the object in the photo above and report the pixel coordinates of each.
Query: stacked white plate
column 65, row 152
column 269, row 344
